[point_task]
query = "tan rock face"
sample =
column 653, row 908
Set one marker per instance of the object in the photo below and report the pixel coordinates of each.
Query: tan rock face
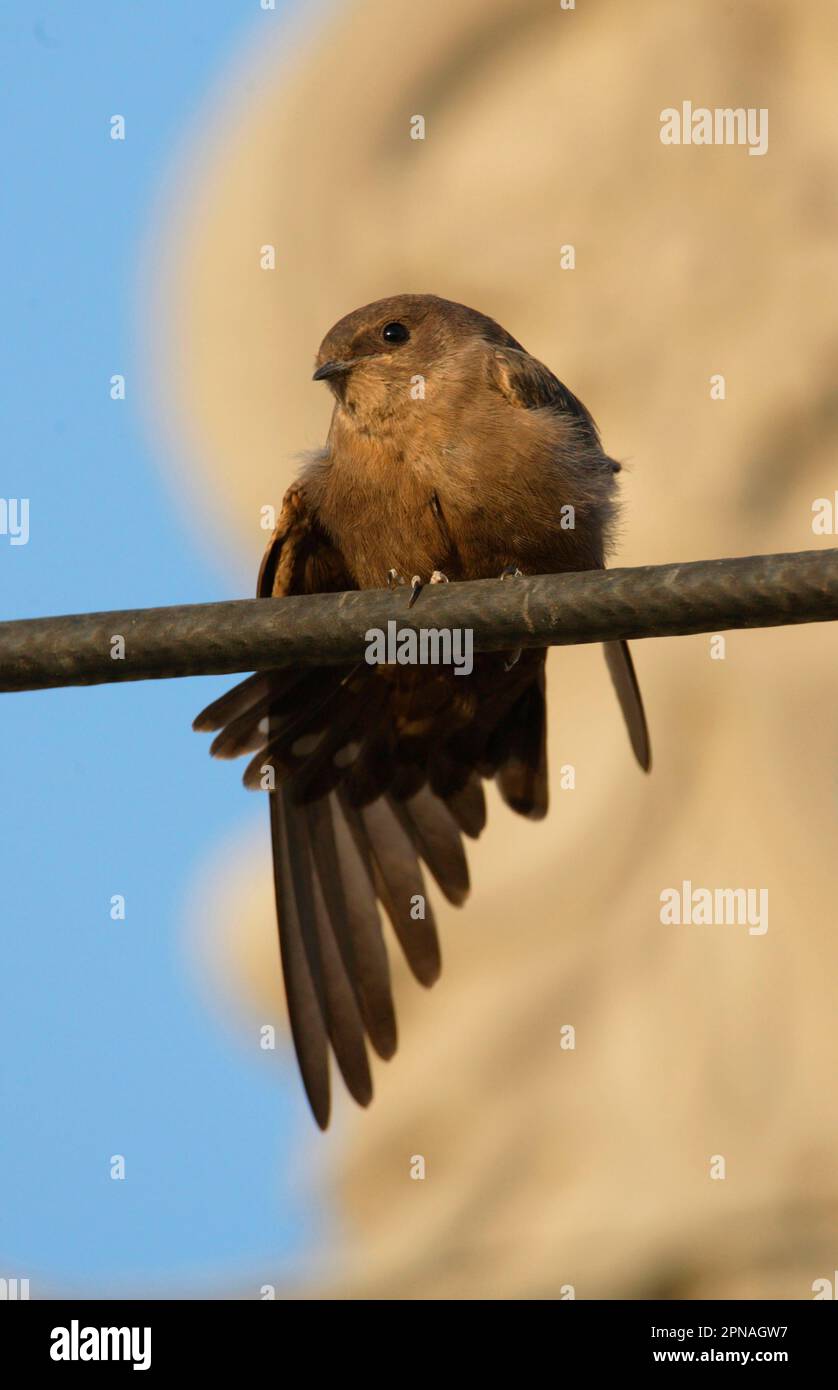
column 548, row 1166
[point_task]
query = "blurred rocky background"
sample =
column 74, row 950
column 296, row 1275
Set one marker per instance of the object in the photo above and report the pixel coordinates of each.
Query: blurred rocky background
column 548, row 1167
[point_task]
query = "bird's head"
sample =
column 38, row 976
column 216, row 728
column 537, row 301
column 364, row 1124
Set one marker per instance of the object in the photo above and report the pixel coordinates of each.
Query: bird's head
column 379, row 359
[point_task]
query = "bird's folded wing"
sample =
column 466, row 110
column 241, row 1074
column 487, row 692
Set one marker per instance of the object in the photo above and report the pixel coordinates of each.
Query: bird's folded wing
column 528, row 384
column 621, row 669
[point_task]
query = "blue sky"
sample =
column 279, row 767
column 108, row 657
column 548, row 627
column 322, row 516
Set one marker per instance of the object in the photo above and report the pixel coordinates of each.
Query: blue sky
column 106, row 1044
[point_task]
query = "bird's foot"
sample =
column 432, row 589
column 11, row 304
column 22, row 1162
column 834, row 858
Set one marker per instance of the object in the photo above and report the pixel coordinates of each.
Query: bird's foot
column 394, row 579
column 439, row 578
column 511, row 572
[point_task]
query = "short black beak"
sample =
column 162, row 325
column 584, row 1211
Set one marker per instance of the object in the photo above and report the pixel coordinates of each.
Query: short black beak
column 330, row 369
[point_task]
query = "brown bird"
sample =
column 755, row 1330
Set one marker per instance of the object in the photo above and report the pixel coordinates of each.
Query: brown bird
column 452, row 454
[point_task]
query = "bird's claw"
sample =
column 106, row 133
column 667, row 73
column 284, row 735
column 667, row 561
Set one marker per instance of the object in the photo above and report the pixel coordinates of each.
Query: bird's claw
column 394, row 579
column 416, row 585
column 510, row 572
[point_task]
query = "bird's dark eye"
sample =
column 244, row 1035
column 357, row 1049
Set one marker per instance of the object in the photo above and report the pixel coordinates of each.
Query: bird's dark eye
column 395, row 333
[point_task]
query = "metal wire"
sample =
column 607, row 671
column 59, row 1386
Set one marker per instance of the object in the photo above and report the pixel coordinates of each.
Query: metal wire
column 545, row 610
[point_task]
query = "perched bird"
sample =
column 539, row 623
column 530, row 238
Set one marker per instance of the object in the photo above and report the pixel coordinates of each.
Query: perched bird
column 452, row 454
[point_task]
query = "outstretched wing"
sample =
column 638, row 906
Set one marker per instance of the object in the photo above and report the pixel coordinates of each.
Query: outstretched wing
column 528, row 384
column 372, row 773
